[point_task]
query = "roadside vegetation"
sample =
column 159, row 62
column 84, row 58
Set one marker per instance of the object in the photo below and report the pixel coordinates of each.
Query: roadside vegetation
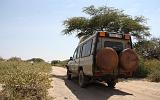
column 59, row 63
column 149, row 52
column 24, row 80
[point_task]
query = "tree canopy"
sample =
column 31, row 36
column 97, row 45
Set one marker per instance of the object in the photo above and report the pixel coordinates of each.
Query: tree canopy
column 106, row 19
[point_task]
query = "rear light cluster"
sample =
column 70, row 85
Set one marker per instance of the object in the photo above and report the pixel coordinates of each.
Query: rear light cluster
column 126, row 36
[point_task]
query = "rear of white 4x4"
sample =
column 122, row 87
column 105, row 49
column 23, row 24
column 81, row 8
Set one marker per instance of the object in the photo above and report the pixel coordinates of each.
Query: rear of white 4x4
column 105, row 57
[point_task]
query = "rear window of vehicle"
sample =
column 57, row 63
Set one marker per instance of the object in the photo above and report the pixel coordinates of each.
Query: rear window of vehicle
column 118, row 46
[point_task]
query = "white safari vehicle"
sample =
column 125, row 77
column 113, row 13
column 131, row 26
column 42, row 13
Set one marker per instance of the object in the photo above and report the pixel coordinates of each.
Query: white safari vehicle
column 103, row 56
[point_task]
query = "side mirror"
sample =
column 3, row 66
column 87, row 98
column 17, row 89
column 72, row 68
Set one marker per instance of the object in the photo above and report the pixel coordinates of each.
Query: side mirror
column 71, row 58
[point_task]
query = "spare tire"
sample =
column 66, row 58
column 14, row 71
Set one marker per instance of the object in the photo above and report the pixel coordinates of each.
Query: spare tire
column 129, row 60
column 107, row 59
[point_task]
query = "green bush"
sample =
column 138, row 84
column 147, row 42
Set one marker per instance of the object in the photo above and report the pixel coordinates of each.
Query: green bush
column 152, row 65
column 36, row 60
column 54, row 62
column 61, row 63
column 141, row 71
column 1, row 59
column 24, row 80
column 154, row 76
column 150, row 69
column 154, row 69
column 14, row 59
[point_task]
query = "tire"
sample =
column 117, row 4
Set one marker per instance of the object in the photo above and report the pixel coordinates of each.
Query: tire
column 107, row 59
column 111, row 83
column 129, row 60
column 82, row 79
column 69, row 76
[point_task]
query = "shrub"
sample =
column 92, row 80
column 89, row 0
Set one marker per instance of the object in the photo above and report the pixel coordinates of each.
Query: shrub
column 141, row 71
column 53, row 62
column 152, row 65
column 154, row 76
column 61, row 63
column 154, row 69
column 1, row 59
column 36, row 60
column 24, row 80
column 23, row 85
column 14, row 59
column 150, row 69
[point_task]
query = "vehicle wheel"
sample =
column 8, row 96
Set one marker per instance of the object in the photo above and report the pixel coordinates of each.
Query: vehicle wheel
column 69, row 75
column 82, row 79
column 111, row 83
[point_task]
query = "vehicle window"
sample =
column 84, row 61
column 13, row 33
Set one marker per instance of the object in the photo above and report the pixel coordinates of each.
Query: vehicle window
column 75, row 54
column 78, row 52
column 86, row 49
column 118, row 46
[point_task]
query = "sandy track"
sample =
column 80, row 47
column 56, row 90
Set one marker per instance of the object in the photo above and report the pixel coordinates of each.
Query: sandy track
column 132, row 89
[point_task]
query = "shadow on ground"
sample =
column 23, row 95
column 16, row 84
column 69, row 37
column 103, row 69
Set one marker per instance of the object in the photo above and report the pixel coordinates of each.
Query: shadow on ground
column 94, row 91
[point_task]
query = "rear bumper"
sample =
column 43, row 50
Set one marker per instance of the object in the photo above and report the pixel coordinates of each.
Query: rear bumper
column 104, row 77
column 125, row 74
column 112, row 75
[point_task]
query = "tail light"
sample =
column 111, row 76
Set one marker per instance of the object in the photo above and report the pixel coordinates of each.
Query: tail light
column 102, row 34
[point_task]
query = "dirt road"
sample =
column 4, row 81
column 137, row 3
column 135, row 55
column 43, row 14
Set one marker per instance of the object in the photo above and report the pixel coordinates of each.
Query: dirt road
column 132, row 89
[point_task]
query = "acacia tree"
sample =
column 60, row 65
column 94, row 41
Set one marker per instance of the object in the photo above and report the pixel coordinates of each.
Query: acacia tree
column 106, row 19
